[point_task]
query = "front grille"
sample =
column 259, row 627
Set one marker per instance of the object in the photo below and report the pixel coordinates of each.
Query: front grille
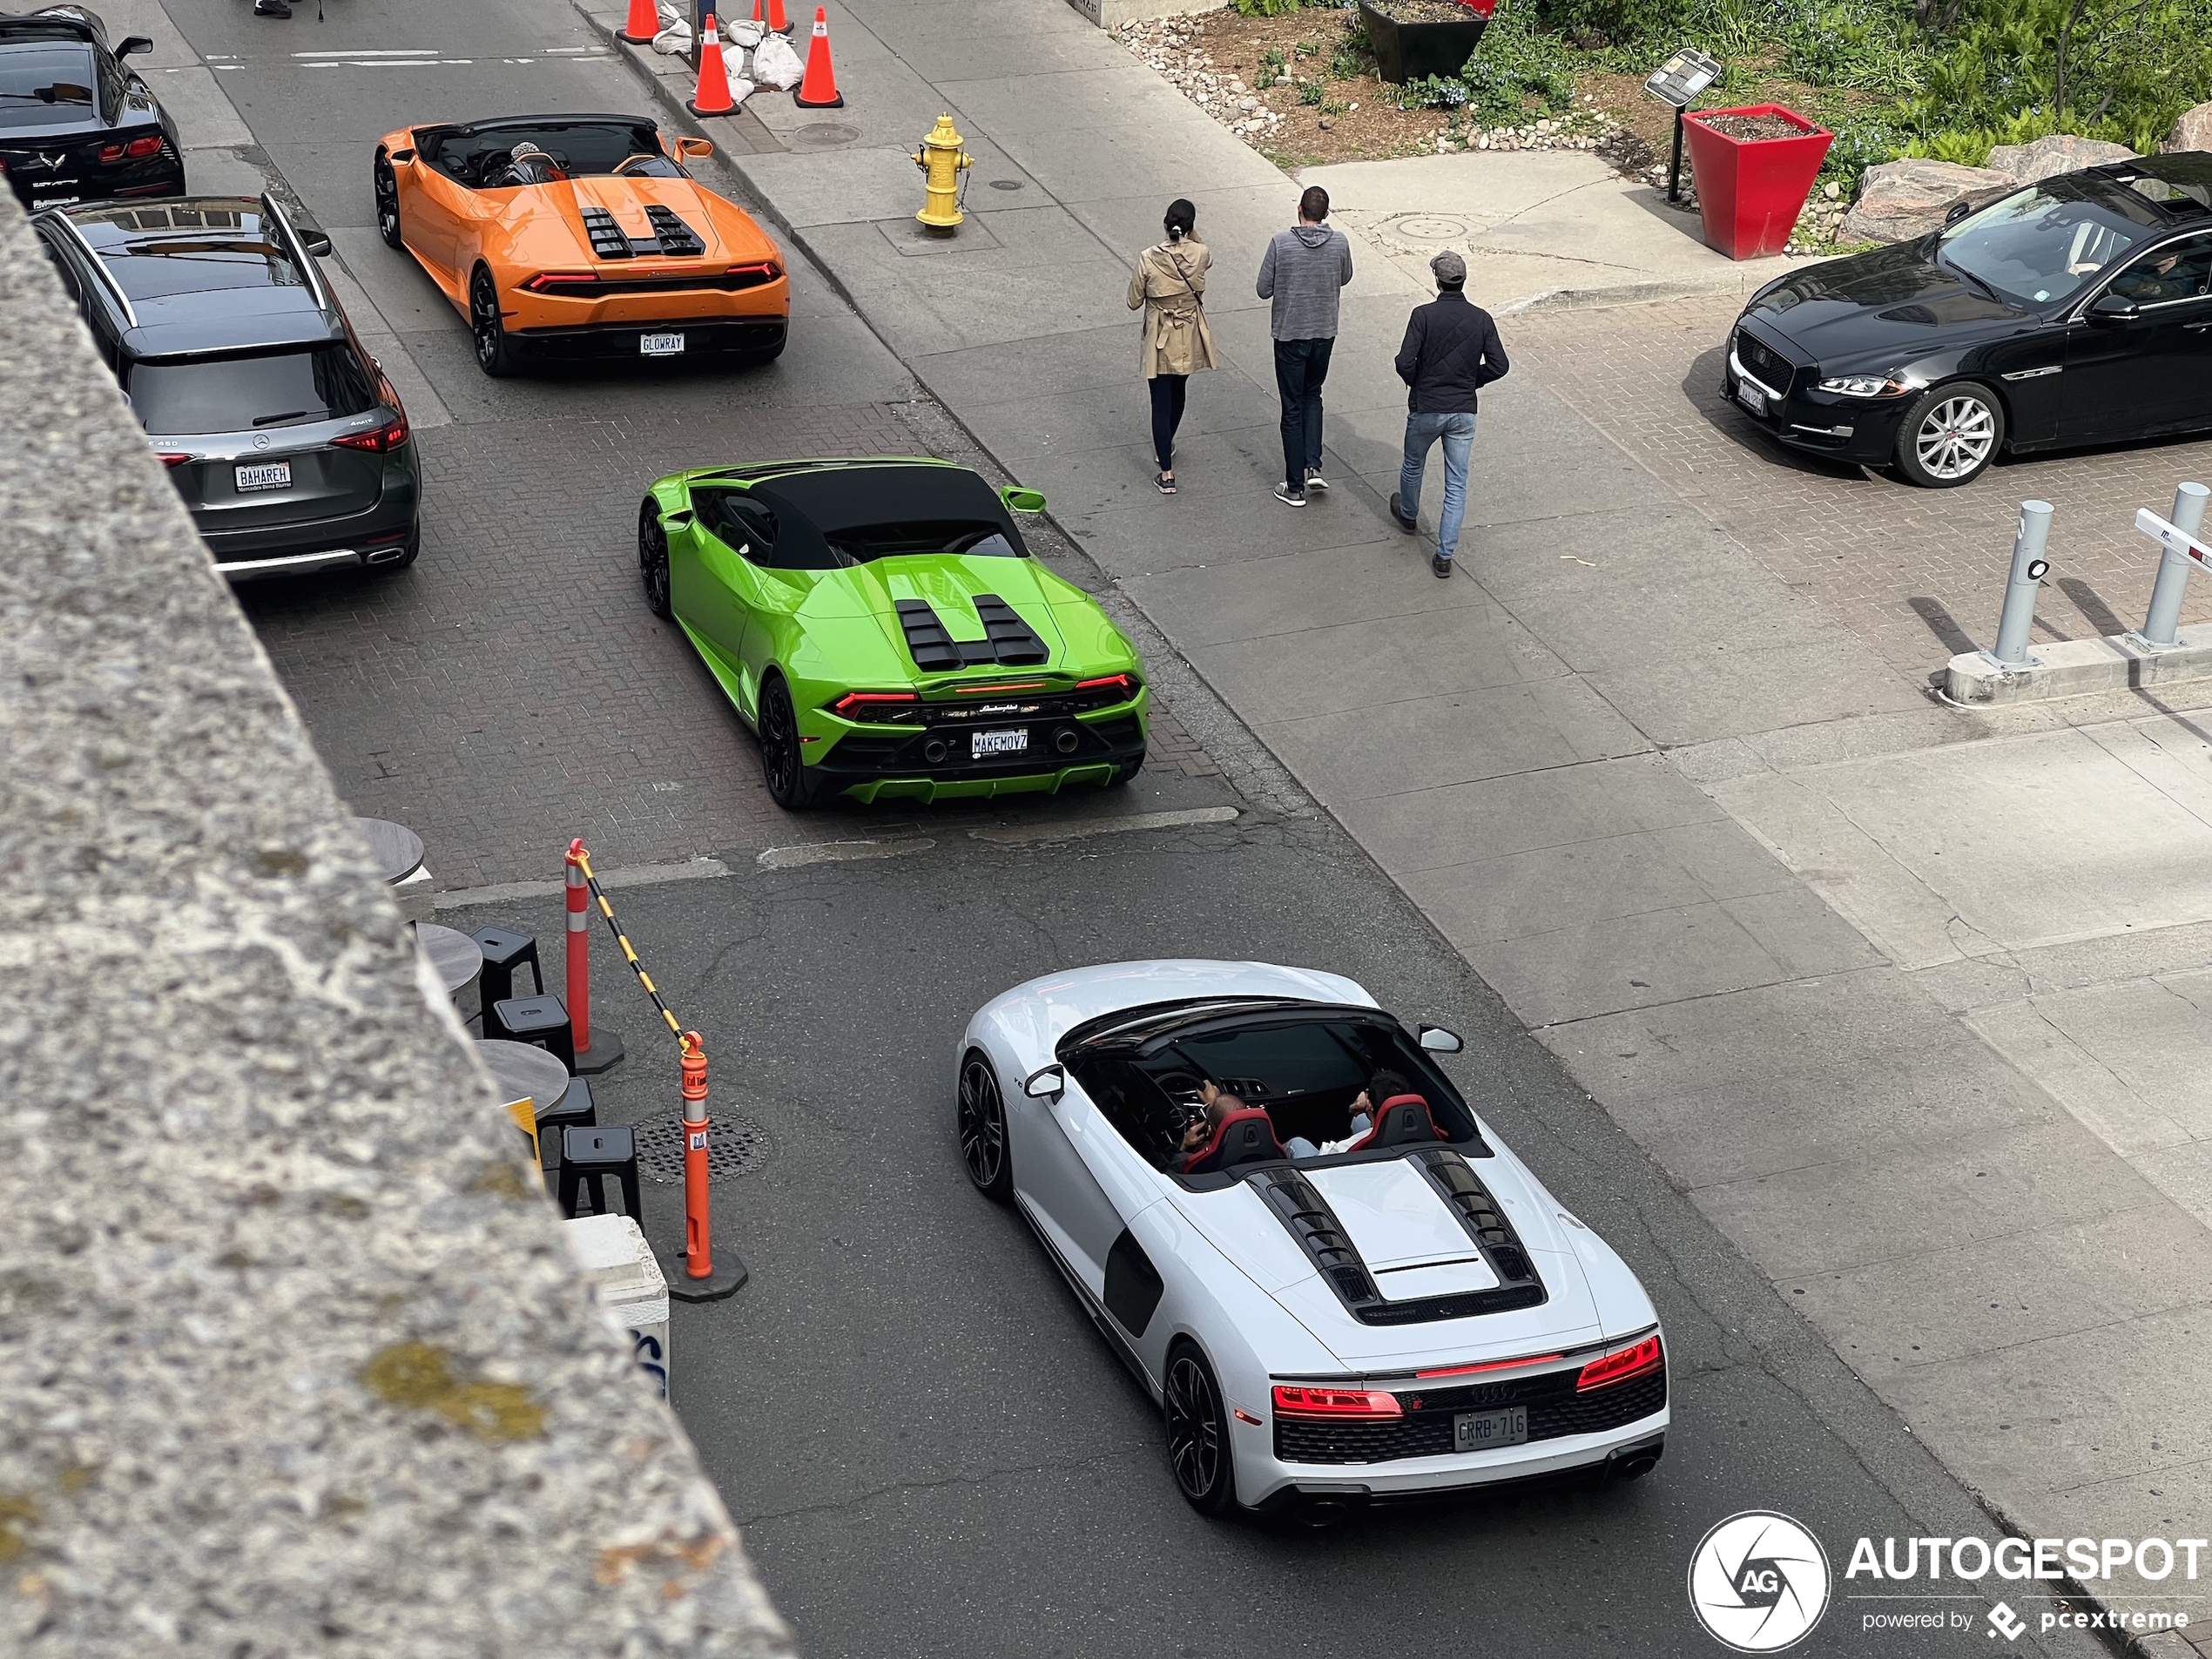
column 1556, row 1411
column 1766, row 364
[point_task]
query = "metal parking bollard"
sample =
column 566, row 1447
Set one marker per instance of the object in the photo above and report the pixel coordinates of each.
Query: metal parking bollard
column 2028, row 568
column 2166, row 594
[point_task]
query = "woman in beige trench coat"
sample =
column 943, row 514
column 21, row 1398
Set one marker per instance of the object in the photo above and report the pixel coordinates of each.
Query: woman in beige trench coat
column 1170, row 281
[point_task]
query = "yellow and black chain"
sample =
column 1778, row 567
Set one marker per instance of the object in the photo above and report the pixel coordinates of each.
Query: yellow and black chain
column 630, row 953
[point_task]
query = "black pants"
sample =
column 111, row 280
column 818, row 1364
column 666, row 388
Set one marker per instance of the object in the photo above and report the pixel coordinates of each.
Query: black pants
column 1300, row 367
column 1167, row 414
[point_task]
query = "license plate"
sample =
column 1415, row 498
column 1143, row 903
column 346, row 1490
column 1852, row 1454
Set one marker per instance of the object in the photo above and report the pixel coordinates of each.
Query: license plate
column 999, row 742
column 1751, row 398
column 265, row 475
column 1479, row 1431
column 660, row 345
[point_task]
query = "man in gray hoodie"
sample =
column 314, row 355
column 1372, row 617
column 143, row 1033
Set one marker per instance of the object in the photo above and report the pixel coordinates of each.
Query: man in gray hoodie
column 1305, row 267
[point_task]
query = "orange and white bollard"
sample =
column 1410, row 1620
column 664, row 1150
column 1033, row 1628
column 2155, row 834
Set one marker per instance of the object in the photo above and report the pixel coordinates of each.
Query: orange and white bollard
column 699, row 1248
column 592, row 1058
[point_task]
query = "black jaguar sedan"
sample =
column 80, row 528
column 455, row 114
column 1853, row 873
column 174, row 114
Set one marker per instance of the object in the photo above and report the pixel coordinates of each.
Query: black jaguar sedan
column 2075, row 311
column 75, row 125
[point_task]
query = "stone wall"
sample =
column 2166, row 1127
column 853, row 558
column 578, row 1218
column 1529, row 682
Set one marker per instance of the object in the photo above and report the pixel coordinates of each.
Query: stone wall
column 291, row 1357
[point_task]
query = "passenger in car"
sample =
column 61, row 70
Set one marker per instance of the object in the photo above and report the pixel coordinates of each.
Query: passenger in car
column 1381, row 1087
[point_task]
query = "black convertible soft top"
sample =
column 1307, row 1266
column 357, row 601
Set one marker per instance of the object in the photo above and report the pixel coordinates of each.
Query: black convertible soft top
column 818, row 505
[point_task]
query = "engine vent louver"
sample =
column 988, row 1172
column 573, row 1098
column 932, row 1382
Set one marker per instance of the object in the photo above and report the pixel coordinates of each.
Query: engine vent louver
column 1008, row 641
column 1479, row 1213
column 608, row 241
column 677, row 240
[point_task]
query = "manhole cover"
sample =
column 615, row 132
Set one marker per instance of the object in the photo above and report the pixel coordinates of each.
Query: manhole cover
column 826, row 135
column 1006, row 184
column 1428, row 227
column 735, row 1146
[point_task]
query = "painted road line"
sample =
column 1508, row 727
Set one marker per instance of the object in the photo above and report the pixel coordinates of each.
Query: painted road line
column 790, row 858
column 1028, row 834
column 636, row 875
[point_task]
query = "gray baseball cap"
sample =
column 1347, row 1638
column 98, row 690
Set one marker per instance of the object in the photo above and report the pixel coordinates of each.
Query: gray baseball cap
column 1450, row 270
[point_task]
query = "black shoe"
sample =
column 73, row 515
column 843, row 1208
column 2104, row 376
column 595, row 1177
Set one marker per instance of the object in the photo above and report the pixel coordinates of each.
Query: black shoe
column 1441, row 566
column 1404, row 523
column 270, row 9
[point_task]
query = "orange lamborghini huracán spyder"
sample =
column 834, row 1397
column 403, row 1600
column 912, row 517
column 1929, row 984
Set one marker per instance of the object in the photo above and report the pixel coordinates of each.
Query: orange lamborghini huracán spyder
column 568, row 237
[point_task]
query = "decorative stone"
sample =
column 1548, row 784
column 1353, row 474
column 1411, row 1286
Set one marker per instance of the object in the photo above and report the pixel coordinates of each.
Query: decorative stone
column 2061, row 152
column 2192, row 131
column 1902, row 199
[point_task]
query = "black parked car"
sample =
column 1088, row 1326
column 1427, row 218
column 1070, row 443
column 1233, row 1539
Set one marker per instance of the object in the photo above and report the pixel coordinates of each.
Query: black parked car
column 283, row 435
column 2075, row 311
column 75, row 125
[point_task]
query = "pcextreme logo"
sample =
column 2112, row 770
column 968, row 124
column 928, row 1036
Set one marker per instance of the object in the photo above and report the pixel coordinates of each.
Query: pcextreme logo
column 1758, row 1581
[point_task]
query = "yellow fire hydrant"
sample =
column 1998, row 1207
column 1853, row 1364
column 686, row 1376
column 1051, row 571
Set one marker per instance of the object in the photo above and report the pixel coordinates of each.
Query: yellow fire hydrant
column 942, row 161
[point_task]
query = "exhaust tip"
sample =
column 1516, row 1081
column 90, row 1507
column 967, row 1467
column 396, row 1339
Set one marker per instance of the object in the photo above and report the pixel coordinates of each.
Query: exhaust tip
column 1066, row 740
column 384, row 555
column 934, row 751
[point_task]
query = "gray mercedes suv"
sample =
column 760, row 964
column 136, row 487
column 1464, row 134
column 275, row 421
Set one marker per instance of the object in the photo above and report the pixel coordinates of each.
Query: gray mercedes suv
column 283, row 435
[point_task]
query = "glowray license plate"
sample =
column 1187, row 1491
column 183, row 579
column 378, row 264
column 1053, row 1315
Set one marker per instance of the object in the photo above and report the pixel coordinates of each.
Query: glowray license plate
column 1751, row 398
column 998, row 743
column 1479, row 1431
column 660, row 345
column 265, row 475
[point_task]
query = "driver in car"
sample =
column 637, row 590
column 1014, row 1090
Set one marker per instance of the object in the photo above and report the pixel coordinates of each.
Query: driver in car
column 1218, row 1104
column 528, row 164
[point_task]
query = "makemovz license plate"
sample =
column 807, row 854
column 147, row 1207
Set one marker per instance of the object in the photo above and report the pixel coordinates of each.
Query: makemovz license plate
column 998, row 743
column 265, row 475
column 660, row 345
column 1479, row 1431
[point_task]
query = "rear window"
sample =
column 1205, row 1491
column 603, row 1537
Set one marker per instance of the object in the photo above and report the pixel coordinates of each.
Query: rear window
column 245, row 394
column 48, row 86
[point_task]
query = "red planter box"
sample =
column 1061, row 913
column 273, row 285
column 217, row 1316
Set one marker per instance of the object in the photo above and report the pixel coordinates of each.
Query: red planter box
column 1750, row 192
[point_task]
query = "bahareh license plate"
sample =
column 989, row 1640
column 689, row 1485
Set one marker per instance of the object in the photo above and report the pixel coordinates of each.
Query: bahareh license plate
column 265, row 475
column 998, row 743
column 1751, row 398
column 660, row 345
column 1479, row 1431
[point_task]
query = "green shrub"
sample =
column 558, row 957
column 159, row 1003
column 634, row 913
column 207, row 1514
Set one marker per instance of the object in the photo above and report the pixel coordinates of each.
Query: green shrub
column 1310, row 92
column 1429, row 93
column 1265, row 8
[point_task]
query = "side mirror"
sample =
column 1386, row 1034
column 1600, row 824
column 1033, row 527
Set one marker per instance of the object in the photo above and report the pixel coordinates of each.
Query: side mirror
column 693, row 149
column 130, row 44
column 1023, row 501
column 1046, row 1082
column 2108, row 308
column 1958, row 210
column 1437, row 1039
column 316, row 243
column 398, row 156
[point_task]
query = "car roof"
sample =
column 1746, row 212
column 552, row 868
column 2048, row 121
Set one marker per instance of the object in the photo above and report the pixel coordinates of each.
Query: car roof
column 206, row 273
column 72, row 24
column 2184, row 195
column 832, row 497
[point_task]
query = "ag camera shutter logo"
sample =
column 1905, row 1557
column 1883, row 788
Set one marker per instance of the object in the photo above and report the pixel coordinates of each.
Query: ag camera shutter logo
column 1758, row 1581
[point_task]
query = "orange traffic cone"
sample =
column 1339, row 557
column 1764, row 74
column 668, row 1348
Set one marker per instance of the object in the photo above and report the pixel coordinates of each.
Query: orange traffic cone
column 819, row 91
column 777, row 24
column 644, row 24
column 713, row 97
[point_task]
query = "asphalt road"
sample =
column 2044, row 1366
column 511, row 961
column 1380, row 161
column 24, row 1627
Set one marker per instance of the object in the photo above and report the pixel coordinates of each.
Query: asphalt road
column 930, row 1450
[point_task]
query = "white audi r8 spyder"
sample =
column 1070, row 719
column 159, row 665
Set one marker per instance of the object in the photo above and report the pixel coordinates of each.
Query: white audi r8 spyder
column 1331, row 1310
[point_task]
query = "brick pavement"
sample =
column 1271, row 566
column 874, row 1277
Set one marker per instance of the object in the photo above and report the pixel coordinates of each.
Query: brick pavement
column 1920, row 573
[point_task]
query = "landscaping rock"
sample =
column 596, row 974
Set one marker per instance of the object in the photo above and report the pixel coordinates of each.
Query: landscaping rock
column 2061, row 152
column 2192, row 131
column 1902, row 199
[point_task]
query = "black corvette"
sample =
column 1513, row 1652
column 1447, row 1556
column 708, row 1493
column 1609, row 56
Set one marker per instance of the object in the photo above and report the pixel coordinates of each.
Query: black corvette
column 75, row 125
column 2074, row 311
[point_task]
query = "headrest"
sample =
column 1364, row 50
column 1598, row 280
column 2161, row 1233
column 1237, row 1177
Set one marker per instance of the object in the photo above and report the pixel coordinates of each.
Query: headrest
column 1246, row 1137
column 1404, row 1120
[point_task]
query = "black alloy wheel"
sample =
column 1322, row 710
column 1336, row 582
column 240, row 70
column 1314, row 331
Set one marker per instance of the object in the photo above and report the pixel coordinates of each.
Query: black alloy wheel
column 652, row 560
column 388, row 203
column 780, row 766
column 1950, row 435
column 1198, row 1434
column 982, row 1129
column 494, row 356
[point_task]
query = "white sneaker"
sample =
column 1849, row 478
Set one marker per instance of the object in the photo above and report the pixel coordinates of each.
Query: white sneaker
column 1315, row 481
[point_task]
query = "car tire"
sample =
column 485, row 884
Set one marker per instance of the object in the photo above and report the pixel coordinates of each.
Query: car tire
column 388, row 203
column 652, row 561
column 782, row 766
column 495, row 356
column 981, row 1125
column 1950, row 435
column 1199, row 1455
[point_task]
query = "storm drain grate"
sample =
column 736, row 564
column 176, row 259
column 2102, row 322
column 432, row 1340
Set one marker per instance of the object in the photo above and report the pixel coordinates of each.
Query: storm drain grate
column 735, row 1146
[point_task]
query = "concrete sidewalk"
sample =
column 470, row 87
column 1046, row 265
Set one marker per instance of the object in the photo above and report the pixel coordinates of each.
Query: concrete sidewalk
column 1584, row 757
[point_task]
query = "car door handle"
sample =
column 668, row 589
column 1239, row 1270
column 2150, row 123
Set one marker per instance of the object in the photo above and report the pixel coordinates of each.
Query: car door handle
column 2198, row 327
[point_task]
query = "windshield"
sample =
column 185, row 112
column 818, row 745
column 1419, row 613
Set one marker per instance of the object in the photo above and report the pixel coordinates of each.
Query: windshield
column 858, row 543
column 245, row 394
column 2046, row 244
column 51, row 86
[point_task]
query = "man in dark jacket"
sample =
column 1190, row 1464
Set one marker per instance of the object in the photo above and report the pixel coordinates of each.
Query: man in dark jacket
column 1451, row 352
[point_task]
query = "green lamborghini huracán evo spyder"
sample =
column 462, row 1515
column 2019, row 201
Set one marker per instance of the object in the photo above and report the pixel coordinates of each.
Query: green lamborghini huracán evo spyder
column 882, row 627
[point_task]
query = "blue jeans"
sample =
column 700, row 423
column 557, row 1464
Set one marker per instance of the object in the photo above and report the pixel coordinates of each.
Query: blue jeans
column 1457, row 433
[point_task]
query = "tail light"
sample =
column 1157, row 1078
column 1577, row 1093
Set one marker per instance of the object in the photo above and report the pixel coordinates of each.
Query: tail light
column 1621, row 1364
column 556, row 281
column 381, row 441
column 174, row 460
column 766, row 270
column 1125, row 684
column 857, row 705
column 1295, row 1401
column 1487, row 1364
column 136, row 150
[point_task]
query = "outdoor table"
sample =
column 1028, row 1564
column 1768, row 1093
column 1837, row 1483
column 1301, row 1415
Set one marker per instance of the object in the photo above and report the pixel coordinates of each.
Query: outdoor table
column 523, row 1072
column 397, row 849
column 455, row 958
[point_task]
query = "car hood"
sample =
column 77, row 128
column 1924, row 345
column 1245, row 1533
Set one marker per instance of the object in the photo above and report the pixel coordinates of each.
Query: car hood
column 1895, row 303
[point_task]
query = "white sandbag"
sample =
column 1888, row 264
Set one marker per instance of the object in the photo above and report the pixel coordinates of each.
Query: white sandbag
column 775, row 64
column 744, row 32
column 740, row 88
column 675, row 40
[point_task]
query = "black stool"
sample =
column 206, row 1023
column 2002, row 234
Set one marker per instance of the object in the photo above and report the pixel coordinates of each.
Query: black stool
column 592, row 1155
column 505, row 951
column 573, row 1111
column 542, row 1021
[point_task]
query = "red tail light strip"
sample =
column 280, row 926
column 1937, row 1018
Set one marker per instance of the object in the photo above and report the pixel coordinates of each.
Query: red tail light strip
column 1299, row 1400
column 1488, row 1365
column 137, row 150
column 854, row 705
column 1621, row 1364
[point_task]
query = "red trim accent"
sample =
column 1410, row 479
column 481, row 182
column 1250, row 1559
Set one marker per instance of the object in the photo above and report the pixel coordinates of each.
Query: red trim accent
column 1243, row 1416
column 1489, row 1365
column 545, row 280
column 1304, row 1400
column 1123, row 680
column 1621, row 1364
column 853, row 705
column 993, row 690
column 381, row 441
column 174, row 460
